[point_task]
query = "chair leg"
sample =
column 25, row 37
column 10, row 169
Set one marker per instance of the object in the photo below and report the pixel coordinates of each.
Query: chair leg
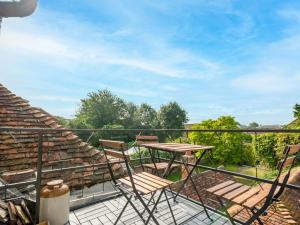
column 258, row 219
column 147, row 209
column 151, row 198
column 173, row 196
column 227, row 213
column 154, row 207
column 122, row 210
column 169, row 206
column 132, row 205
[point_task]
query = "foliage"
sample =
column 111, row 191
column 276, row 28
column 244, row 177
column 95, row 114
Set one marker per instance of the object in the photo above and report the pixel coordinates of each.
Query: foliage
column 102, row 109
column 253, row 125
column 172, row 116
column 269, row 147
column 63, row 121
column 297, row 111
column 231, row 148
column 81, row 122
column 265, row 149
column 148, row 117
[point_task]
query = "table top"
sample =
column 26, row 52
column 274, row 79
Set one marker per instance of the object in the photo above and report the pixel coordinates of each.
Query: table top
column 176, row 147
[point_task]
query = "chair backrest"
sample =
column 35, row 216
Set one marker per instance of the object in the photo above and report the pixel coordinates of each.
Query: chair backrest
column 290, row 155
column 142, row 139
column 113, row 148
column 117, row 150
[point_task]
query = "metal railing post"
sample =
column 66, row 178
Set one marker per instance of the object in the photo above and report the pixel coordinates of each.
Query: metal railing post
column 5, row 192
column 39, row 176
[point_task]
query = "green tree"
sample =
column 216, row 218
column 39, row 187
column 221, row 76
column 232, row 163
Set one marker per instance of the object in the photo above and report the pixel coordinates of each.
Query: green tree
column 103, row 108
column 297, row 111
column 148, row 116
column 172, row 116
column 253, row 125
column 81, row 122
column 130, row 117
column 265, row 149
column 230, row 148
column 63, row 121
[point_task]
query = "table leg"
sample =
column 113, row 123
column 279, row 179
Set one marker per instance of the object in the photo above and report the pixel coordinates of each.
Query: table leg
column 196, row 190
column 189, row 174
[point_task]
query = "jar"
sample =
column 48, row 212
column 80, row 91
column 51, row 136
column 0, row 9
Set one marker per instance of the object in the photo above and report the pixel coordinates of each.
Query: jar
column 54, row 204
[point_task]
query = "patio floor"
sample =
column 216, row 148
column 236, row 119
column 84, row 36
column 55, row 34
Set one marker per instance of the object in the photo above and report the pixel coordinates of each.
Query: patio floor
column 106, row 212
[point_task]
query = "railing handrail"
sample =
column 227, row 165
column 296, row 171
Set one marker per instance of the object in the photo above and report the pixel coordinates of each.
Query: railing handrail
column 153, row 130
column 17, row 184
column 42, row 131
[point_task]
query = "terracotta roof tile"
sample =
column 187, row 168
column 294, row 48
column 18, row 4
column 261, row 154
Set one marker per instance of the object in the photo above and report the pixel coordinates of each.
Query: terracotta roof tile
column 18, row 150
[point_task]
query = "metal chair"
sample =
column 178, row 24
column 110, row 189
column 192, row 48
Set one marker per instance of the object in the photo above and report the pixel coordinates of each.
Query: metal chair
column 158, row 167
column 142, row 139
column 250, row 198
column 135, row 184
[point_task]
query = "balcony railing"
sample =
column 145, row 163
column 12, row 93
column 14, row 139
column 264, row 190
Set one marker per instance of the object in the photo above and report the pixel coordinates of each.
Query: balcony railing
column 114, row 133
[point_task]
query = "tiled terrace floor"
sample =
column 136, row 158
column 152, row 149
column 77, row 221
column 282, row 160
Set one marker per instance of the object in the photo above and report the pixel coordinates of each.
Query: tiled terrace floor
column 106, row 212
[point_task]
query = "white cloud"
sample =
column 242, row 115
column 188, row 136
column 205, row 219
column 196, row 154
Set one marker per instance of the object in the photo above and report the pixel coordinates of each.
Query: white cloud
column 266, row 82
column 69, row 49
column 290, row 14
column 276, row 66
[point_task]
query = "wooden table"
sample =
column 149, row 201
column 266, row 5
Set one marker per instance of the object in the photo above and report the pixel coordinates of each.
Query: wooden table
column 175, row 149
column 179, row 149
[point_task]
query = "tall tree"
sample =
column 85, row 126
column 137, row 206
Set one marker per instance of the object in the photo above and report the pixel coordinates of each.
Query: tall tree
column 231, row 148
column 148, row 116
column 297, row 111
column 130, row 119
column 253, row 125
column 102, row 108
column 173, row 116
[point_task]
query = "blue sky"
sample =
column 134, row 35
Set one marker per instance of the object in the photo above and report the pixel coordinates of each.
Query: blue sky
column 225, row 57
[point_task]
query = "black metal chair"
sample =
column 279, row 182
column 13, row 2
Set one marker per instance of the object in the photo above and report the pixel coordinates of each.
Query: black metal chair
column 158, row 167
column 250, row 198
column 142, row 139
column 135, row 184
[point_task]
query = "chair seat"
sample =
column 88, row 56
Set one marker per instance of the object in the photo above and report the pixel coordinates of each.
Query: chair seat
column 159, row 166
column 240, row 194
column 146, row 183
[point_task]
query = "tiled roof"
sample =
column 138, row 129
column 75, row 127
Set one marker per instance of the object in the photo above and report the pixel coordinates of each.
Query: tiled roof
column 18, row 150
